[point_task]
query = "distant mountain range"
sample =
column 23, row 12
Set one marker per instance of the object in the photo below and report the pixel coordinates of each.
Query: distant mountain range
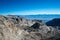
column 44, row 17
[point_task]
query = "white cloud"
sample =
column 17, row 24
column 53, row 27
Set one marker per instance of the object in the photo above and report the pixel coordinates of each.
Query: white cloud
column 34, row 12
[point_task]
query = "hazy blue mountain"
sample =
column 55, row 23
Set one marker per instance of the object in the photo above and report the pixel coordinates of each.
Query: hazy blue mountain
column 54, row 22
column 43, row 17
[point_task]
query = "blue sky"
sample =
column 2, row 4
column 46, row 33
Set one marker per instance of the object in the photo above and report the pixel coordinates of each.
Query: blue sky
column 29, row 7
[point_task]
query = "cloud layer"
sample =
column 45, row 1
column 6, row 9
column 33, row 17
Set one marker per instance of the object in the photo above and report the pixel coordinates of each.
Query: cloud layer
column 33, row 12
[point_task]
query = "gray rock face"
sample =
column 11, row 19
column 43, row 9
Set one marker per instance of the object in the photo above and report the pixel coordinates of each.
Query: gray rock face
column 17, row 28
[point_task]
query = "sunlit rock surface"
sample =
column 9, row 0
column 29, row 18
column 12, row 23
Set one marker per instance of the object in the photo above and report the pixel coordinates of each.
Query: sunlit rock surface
column 18, row 28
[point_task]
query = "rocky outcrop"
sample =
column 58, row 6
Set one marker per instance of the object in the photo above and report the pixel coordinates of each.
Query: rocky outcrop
column 17, row 28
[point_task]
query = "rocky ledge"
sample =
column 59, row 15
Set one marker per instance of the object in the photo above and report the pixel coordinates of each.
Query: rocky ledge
column 18, row 28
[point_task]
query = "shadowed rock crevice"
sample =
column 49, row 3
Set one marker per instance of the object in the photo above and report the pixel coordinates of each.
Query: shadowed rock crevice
column 35, row 26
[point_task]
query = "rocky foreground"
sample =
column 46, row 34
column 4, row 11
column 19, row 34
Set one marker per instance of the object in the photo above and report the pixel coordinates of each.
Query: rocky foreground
column 17, row 28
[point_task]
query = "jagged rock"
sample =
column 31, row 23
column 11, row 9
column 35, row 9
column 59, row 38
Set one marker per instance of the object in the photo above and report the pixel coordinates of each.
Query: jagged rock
column 17, row 28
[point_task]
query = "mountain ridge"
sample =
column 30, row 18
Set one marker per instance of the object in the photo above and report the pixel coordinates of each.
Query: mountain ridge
column 17, row 28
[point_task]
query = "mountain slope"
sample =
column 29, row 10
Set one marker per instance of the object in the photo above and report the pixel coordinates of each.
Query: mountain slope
column 17, row 28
